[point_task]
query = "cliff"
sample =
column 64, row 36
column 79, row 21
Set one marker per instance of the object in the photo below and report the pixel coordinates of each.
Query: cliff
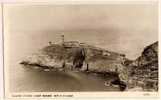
column 73, row 55
column 144, row 70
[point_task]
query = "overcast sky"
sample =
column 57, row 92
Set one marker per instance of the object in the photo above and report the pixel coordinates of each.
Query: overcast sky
column 124, row 28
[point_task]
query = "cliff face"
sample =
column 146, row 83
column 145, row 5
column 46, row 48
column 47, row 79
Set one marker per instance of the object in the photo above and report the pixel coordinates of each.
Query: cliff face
column 144, row 70
column 73, row 55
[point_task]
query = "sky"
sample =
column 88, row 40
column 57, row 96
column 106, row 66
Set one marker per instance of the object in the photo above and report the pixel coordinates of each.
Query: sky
column 123, row 28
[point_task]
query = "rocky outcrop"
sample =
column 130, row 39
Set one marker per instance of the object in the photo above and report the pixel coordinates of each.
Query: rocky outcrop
column 79, row 56
column 144, row 70
column 141, row 73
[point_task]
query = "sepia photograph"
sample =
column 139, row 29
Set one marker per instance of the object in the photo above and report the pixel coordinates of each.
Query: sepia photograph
column 81, row 47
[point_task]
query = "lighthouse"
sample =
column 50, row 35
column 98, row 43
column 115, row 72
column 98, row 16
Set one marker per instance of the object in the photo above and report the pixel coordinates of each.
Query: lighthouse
column 62, row 37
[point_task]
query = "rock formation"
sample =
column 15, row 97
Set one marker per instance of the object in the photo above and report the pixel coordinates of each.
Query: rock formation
column 73, row 55
column 144, row 70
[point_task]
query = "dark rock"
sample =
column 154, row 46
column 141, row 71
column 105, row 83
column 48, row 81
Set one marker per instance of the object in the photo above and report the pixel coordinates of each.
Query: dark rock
column 145, row 68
